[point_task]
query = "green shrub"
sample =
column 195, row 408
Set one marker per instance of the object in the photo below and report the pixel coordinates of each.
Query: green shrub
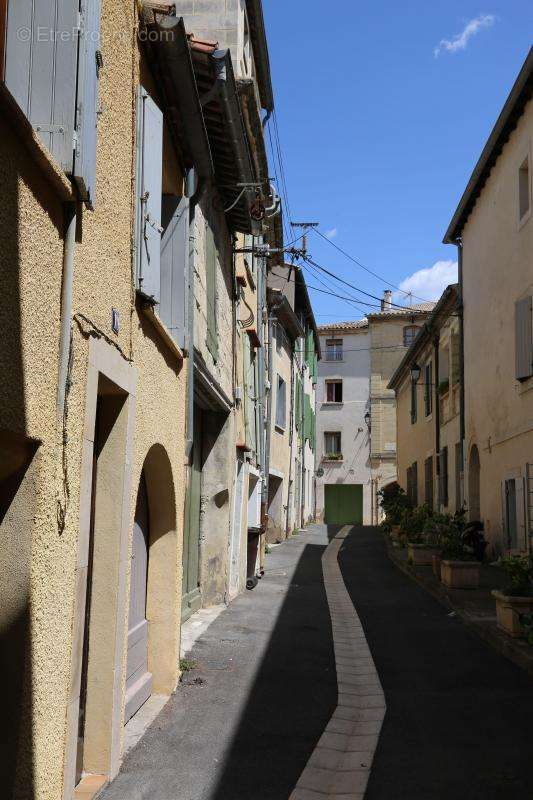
column 519, row 573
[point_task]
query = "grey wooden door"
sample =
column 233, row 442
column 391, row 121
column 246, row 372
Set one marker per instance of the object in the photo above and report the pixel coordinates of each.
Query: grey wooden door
column 191, row 599
column 138, row 678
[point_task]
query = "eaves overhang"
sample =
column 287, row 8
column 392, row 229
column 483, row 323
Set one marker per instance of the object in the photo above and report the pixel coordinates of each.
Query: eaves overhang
column 254, row 131
column 446, row 305
column 513, row 109
column 280, row 307
column 256, row 23
column 167, row 47
column 226, row 132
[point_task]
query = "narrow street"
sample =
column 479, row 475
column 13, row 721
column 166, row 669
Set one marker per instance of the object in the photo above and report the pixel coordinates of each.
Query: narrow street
column 249, row 715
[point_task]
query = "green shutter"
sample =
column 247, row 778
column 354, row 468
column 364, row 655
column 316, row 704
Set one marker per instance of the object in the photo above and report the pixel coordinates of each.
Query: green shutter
column 211, row 292
column 308, row 418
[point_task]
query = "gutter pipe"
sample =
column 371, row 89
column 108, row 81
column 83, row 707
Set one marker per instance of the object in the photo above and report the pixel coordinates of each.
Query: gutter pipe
column 69, row 247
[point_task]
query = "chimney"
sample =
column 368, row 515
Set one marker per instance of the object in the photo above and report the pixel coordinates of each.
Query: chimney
column 386, row 303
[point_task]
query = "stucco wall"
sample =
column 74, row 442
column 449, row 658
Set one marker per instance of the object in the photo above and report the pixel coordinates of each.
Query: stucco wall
column 31, row 223
column 348, row 417
column 498, row 270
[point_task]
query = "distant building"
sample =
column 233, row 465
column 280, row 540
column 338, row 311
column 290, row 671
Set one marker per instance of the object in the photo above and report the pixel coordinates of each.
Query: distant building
column 343, row 412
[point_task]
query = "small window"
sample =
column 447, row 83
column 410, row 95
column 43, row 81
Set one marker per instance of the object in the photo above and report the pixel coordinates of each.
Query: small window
column 332, row 445
column 334, row 391
column 428, row 389
column 409, row 335
column 523, row 189
column 281, row 403
column 333, row 349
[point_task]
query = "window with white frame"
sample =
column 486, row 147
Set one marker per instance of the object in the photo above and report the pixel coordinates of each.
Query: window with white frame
column 333, row 349
column 334, row 391
column 332, row 444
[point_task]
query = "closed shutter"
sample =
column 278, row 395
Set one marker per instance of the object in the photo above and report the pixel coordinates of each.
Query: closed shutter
column 211, row 291
column 428, row 482
column 307, row 418
column 522, row 542
column 298, row 402
column 41, row 52
column 150, row 162
column 443, row 477
column 174, row 265
column 414, row 469
column 413, row 402
column 87, row 105
column 524, row 338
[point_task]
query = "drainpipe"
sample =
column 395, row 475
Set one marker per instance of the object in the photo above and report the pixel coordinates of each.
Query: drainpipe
column 69, row 247
column 437, row 415
column 261, row 404
column 194, row 200
column 302, row 450
column 460, row 309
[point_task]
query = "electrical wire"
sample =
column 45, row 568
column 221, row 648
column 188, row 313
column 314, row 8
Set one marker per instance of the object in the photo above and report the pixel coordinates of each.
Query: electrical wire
column 367, row 269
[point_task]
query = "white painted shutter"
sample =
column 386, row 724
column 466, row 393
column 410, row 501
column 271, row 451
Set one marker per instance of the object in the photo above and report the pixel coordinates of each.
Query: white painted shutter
column 524, row 338
column 174, row 265
column 87, row 101
column 149, row 183
column 41, row 51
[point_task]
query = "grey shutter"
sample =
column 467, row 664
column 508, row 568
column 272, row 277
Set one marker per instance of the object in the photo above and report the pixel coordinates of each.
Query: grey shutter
column 40, row 72
column 150, row 162
column 524, row 338
column 87, row 102
column 211, row 292
column 174, row 265
column 415, row 483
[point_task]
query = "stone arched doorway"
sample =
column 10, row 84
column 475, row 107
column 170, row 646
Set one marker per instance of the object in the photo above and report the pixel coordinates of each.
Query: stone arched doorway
column 154, row 584
column 474, row 469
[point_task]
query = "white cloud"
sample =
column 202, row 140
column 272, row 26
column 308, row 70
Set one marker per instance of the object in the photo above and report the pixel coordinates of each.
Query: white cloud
column 460, row 40
column 331, row 233
column 429, row 283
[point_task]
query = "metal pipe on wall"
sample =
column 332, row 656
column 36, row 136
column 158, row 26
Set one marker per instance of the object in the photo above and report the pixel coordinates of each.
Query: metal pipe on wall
column 69, row 247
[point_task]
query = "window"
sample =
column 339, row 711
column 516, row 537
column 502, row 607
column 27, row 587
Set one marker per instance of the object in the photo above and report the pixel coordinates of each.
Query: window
column 428, row 482
column 281, row 403
column 55, row 81
column 455, row 352
column 524, row 338
column 334, row 391
column 413, row 402
column 458, row 476
column 444, row 370
column 523, row 190
column 443, row 477
column 333, row 349
column 332, row 445
column 428, row 388
column 409, row 335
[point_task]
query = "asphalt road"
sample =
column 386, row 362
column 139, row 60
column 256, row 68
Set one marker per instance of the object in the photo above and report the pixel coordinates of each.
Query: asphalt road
column 459, row 716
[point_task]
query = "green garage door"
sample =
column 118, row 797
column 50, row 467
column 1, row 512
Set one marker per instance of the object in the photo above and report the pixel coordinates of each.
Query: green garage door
column 343, row 504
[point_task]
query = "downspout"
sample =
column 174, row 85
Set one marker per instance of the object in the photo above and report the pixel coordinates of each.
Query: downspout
column 69, row 247
column 437, row 416
column 261, row 404
column 460, row 309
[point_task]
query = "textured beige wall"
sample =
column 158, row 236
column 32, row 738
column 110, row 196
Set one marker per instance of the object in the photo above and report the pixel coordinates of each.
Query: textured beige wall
column 498, row 270
column 30, row 219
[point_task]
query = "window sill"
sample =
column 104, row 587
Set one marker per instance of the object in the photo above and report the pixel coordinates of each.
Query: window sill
column 334, row 360
column 279, row 429
column 162, row 330
column 333, row 403
column 22, row 128
column 525, row 386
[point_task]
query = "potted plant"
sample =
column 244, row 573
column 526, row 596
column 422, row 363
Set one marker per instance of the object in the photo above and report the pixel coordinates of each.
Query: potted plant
column 421, row 543
column 394, row 502
column 459, row 566
column 516, row 598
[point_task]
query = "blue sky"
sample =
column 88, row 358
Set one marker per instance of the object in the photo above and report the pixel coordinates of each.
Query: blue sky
column 380, row 135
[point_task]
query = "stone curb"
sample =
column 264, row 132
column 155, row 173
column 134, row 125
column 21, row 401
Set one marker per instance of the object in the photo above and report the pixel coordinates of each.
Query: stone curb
column 490, row 635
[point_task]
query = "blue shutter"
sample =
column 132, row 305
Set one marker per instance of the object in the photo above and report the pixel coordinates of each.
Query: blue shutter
column 87, row 103
column 174, row 265
column 41, row 52
column 149, row 187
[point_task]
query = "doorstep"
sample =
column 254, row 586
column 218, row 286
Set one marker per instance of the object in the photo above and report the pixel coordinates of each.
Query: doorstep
column 475, row 607
column 90, row 786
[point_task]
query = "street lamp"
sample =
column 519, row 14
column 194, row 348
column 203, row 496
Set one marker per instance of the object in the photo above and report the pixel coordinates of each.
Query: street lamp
column 415, row 372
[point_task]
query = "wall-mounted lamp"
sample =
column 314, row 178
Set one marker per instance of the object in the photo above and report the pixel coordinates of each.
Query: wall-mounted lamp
column 415, row 373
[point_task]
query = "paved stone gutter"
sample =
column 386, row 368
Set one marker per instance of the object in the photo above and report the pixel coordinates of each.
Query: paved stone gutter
column 339, row 767
column 475, row 608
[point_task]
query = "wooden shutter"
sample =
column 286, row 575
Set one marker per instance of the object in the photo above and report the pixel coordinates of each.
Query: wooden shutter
column 87, row 102
column 443, row 477
column 150, row 162
column 522, row 543
column 174, row 265
column 524, row 338
column 413, row 402
column 211, row 291
column 41, row 52
column 428, row 482
column 414, row 469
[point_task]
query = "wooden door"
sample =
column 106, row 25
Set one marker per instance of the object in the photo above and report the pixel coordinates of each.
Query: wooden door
column 138, row 678
column 191, row 600
column 343, row 504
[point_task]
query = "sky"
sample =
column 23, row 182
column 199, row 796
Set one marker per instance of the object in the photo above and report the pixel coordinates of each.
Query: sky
column 383, row 109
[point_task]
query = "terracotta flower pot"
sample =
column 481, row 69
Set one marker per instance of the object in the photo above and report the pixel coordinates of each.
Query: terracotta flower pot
column 508, row 610
column 460, row 574
column 420, row 555
column 436, row 562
